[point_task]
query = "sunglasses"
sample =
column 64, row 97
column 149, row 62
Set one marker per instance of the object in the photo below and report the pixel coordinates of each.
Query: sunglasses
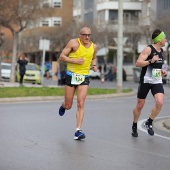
column 86, row 35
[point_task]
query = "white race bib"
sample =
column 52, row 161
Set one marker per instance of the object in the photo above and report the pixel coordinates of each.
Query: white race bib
column 77, row 78
column 156, row 73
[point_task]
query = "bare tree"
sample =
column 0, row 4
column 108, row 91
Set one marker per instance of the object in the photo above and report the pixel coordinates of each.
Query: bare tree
column 15, row 15
column 58, row 36
column 162, row 23
column 1, row 45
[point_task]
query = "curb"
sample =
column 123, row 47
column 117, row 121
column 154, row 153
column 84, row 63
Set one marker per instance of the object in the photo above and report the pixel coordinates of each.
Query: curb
column 51, row 98
column 166, row 123
column 163, row 124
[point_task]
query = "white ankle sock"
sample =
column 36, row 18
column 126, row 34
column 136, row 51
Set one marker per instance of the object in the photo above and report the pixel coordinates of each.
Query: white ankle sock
column 77, row 129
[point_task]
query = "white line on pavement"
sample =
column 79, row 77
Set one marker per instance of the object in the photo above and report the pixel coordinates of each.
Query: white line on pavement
column 140, row 127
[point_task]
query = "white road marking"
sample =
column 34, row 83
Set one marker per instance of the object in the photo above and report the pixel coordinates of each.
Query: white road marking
column 140, row 127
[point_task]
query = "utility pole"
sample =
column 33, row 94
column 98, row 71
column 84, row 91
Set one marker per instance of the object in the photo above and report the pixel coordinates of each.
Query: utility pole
column 44, row 45
column 120, row 47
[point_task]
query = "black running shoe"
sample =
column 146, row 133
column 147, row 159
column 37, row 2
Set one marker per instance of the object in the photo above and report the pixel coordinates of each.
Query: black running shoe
column 134, row 132
column 149, row 128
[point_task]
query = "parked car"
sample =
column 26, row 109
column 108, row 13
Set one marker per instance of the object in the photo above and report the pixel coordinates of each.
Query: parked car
column 111, row 74
column 93, row 74
column 5, row 71
column 32, row 75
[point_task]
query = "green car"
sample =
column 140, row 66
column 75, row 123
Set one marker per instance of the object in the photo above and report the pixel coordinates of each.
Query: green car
column 32, row 75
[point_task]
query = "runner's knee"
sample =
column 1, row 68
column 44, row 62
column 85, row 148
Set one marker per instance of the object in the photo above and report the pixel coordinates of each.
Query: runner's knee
column 159, row 103
column 139, row 106
column 80, row 104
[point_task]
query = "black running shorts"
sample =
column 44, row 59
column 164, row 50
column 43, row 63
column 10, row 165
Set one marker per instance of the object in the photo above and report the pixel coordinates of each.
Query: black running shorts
column 68, row 81
column 143, row 89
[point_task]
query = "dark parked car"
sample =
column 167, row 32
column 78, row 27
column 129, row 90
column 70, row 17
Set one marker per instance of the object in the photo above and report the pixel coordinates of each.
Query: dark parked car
column 111, row 74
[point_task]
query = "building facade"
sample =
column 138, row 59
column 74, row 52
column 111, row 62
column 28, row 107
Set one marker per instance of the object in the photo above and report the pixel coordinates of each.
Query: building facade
column 137, row 23
column 56, row 16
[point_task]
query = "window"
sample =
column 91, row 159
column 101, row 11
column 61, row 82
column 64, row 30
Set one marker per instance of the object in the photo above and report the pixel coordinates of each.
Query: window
column 51, row 22
column 52, row 3
column 57, row 3
column 128, row 59
column 45, row 23
column 113, row 15
column 57, row 21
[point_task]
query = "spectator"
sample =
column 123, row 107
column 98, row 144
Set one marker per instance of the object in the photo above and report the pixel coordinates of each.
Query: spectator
column 22, row 61
column 47, row 71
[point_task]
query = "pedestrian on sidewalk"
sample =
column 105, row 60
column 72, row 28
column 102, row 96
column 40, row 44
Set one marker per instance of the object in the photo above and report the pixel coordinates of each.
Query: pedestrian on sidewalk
column 47, row 69
column 22, row 61
column 62, row 67
column 79, row 54
column 151, row 61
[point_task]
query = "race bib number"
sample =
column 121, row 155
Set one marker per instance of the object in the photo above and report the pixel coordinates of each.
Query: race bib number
column 156, row 73
column 77, row 78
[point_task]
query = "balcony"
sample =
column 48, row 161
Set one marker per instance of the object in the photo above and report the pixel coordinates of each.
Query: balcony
column 112, row 26
column 127, row 5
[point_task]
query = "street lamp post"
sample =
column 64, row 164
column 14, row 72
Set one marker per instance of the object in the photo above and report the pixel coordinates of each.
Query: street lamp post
column 43, row 45
column 120, row 47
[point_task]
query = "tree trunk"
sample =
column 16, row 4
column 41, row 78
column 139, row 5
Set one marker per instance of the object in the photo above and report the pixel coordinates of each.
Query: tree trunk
column 15, row 41
column 0, row 61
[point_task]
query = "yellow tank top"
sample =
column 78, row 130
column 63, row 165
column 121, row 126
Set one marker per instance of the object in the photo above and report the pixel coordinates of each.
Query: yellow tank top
column 82, row 52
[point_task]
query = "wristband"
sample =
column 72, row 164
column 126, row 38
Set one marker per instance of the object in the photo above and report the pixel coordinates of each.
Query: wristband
column 150, row 61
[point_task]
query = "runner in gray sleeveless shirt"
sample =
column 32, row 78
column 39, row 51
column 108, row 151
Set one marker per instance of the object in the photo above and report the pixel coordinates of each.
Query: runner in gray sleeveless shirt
column 151, row 61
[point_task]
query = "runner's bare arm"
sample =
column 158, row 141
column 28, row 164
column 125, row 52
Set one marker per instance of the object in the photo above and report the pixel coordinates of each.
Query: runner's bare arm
column 94, row 60
column 141, row 61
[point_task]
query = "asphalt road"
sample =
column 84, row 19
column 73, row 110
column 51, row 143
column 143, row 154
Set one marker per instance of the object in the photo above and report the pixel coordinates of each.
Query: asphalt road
column 35, row 137
column 97, row 83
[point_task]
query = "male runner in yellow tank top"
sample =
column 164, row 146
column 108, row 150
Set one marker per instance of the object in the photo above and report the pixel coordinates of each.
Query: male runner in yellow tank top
column 79, row 54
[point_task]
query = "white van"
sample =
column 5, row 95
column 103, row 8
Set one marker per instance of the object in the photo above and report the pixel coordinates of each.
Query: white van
column 5, row 71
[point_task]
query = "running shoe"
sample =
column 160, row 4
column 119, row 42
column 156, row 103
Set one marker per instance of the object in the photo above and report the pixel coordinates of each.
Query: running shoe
column 79, row 135
column 134, row 132
column 149, row 128
column 61, row 110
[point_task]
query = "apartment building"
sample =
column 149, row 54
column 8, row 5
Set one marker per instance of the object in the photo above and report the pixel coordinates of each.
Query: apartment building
column 56, row 16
